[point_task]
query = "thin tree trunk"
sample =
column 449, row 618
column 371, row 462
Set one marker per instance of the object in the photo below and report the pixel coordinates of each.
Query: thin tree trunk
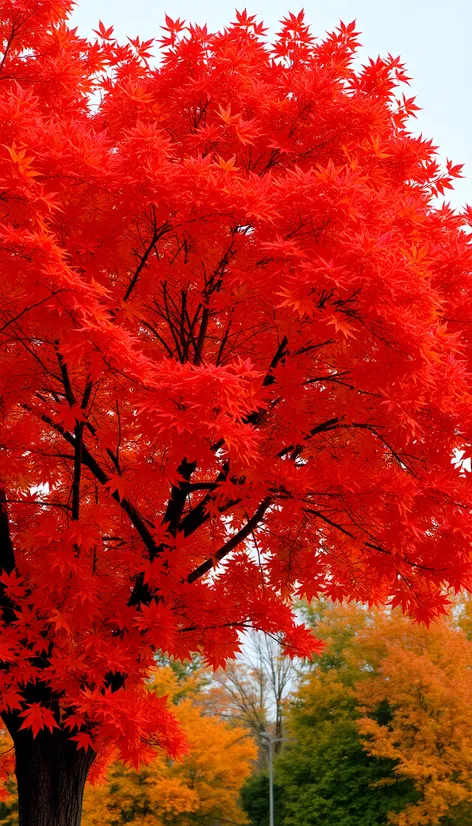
column 51, row 774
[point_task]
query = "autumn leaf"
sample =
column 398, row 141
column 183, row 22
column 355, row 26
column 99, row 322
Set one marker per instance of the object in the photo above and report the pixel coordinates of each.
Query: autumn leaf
column 37, row 717
column 115, row 484
column 69, row 415
column 83, row 740
column 342, row 326
column 228, row 166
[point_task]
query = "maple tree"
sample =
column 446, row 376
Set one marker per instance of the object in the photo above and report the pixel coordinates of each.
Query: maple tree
column 234, row 365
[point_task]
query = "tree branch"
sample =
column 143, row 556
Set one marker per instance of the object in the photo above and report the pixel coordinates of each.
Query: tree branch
column 157, row 234
column 7, row 555
column 197, row 516
column 232, row 543
column 7, row 560
column 329, row 424
column 77, row 472
column 257, row 416
column 136, row 519
column 178, row 496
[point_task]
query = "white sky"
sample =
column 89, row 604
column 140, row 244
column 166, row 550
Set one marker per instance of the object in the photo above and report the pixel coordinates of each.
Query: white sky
column 433, row 37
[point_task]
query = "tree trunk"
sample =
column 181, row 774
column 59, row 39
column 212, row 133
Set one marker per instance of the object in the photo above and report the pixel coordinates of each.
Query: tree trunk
column 51, row 774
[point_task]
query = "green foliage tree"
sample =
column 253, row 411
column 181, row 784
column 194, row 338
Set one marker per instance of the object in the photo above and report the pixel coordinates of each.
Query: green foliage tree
column 255, row 799
column 325, row 774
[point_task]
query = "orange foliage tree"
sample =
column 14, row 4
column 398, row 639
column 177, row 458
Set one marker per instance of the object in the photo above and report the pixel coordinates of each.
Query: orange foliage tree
column 381, row 727
column 234, row 364
column 423, row 679
column 202, row 788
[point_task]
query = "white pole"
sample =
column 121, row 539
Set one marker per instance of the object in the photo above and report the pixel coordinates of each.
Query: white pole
column 271, row 786
column 267, row 738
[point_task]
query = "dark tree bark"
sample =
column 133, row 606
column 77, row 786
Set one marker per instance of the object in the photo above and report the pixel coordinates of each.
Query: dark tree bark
column 51, row 774
column 50, row 770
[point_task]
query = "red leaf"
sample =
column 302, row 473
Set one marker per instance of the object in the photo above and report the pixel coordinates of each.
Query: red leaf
column 37, row 717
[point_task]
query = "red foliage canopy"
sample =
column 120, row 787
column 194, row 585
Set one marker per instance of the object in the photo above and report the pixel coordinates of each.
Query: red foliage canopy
column 235, row 325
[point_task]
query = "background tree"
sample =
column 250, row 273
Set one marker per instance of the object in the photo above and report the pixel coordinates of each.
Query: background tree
column 381, row 727
column 255, row 799
column 201, row 789
column 324, row 774
column 234, row 363
column 422, row 678
column 8, row 796
column 253, row 690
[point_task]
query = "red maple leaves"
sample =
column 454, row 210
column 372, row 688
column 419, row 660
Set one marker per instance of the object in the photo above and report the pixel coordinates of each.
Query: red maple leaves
column 36, row 717
column 234, row 356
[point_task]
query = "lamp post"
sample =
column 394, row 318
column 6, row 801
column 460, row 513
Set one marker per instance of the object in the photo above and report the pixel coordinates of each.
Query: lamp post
column 269, row 740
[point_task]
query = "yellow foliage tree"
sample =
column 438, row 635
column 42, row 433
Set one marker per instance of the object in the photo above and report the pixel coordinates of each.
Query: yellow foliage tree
column 416, row 693
column 201, row 789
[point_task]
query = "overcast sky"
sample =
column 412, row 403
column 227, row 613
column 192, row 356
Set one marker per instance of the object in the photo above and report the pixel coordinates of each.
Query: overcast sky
column 433, row 37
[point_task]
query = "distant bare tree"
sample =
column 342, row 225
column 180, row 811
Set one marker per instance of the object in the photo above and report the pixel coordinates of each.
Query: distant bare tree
column 253, row 690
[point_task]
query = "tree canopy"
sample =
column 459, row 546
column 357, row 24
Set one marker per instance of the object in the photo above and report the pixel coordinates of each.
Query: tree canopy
column 234, row 358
